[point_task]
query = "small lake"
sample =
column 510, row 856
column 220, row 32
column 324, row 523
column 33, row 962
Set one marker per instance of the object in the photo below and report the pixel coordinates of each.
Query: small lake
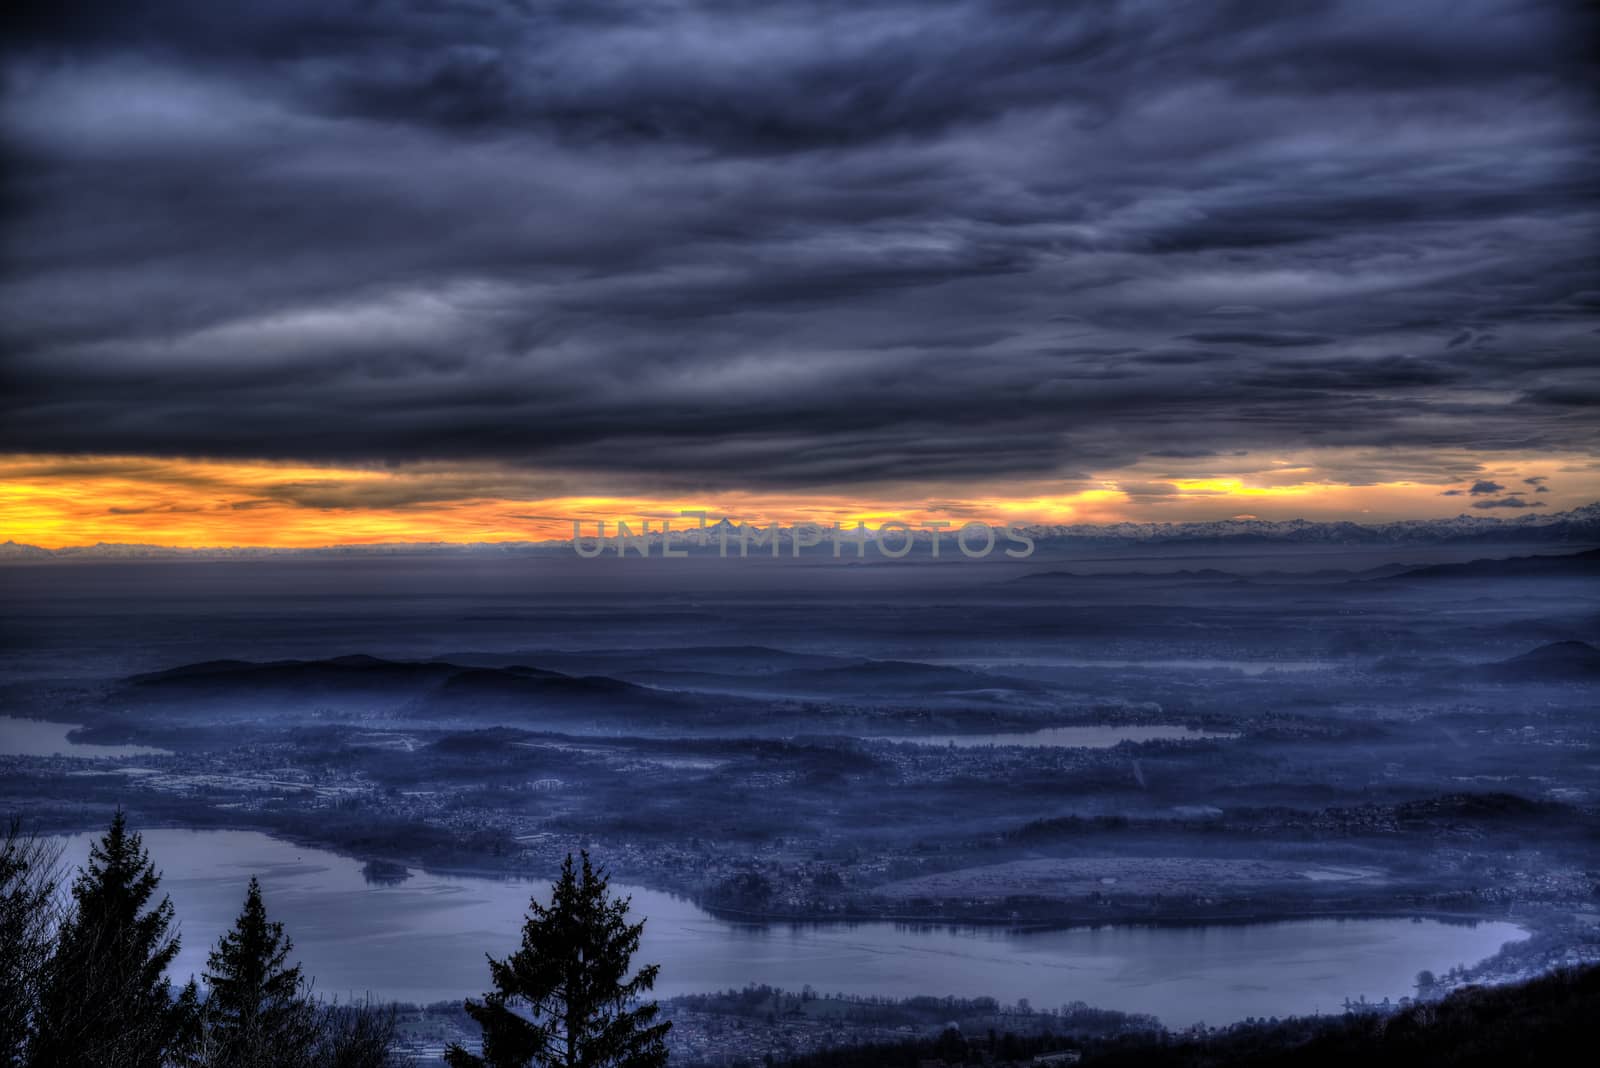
column 1245, row 667
column 1093, row 737
column 37, row 737
column 424, row 939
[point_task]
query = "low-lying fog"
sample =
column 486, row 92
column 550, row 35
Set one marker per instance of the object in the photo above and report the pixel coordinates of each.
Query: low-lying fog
column 1207, row 743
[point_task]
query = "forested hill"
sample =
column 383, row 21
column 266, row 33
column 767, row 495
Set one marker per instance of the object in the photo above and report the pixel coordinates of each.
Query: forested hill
column 1544, row 1021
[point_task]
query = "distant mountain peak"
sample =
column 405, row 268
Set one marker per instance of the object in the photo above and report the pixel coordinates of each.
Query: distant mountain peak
column 1578, row 526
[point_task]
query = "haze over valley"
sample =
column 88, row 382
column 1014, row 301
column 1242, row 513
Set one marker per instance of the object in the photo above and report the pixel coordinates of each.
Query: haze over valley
column 1018, row 753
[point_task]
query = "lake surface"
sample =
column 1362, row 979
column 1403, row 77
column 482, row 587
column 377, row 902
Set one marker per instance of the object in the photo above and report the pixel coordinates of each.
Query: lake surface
column 1093, row 737
column 37, row 737
column 424, row 939
column 1246, row 667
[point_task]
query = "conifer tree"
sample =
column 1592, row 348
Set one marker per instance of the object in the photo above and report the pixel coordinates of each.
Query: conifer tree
column 258, row 1013
column 564, row 999
column 106, row 1002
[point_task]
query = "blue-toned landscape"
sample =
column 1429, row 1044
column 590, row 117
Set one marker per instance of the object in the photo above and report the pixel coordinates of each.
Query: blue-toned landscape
column 809, row 534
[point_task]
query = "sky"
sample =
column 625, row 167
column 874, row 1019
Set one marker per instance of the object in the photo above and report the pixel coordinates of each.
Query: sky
column 300, row 273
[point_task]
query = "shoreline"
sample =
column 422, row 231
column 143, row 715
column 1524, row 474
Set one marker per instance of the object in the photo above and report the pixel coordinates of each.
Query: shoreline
column 753, row 918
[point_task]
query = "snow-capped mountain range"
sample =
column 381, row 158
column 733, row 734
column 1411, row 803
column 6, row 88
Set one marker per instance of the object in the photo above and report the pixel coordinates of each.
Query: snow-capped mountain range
column 1580, row 526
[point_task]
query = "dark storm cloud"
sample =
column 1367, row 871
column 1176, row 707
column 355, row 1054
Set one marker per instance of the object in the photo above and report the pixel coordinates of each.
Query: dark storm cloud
column 1508, row 502
column 798, row 244
column 1264, row 340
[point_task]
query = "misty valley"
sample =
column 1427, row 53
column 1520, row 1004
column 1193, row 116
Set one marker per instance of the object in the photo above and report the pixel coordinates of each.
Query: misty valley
column 1154, row 787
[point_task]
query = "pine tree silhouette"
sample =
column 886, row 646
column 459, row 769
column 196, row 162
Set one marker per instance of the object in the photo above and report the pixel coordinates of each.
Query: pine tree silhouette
column 258, row 1013
column 564, row 999
column 106, row 1002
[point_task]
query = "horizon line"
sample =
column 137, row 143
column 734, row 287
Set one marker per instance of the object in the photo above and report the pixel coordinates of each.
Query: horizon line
column 1541, row 519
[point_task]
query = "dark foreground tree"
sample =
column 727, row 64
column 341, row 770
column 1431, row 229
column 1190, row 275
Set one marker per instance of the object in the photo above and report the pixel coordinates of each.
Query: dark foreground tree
column 27, row 896
column 259, row 1011
column 564, row 1000
column 106, row 1002
column 359, row 1035
column 258, row 1014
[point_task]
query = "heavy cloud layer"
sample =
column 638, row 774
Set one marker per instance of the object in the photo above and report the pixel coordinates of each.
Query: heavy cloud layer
column 804, row 244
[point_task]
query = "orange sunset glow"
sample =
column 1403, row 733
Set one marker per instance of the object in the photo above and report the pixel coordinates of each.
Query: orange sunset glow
column 54, row 501
column 565, row 524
